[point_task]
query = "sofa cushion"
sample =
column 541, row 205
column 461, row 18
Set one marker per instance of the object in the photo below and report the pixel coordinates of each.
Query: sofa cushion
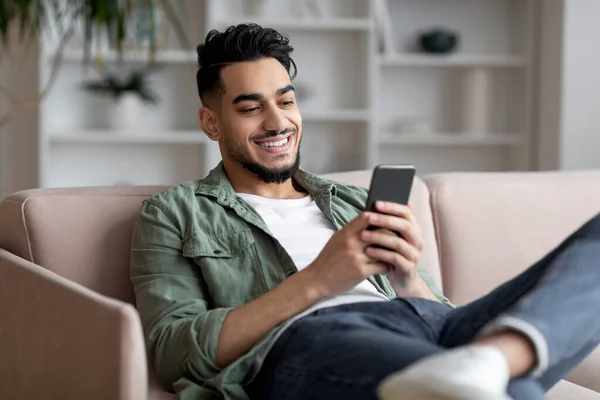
column 492, row 226
column 566, row 390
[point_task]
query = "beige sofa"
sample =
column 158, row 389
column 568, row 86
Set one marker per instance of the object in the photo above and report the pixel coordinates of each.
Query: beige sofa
column 68, row 329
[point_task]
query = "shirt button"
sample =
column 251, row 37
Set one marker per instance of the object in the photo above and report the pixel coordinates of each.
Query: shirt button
column 217, row 251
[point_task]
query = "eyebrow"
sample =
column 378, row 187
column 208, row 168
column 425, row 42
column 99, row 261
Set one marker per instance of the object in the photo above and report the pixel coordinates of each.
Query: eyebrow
column 260, row 96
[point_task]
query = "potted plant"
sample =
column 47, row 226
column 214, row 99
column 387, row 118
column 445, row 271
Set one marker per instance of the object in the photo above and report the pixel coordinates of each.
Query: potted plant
column 129, row 94
column 23, row 22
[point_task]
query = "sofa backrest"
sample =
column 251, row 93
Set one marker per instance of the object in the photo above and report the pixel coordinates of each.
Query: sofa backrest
column 492, row 226
column 84, row 234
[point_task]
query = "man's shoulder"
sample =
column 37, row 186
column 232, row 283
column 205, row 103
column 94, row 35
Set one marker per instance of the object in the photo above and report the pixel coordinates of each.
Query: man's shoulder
column 187, row 206
column 348, row 189
column 351, row 193
column 174, row 196
column 342, row 188
column 346, row 196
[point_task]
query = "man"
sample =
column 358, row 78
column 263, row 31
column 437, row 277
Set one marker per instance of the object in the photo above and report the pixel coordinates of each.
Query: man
column 261, row 280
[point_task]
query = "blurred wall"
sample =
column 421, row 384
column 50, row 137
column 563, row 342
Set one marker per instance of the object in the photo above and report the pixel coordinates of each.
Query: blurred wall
column 19, row 73
column 569, row 85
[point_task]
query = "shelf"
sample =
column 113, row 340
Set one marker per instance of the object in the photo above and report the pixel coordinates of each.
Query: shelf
column 454, row 60
column 126, row 137
column 317, row 24
column 335, row 115
column 161, row 56
column 451, row 139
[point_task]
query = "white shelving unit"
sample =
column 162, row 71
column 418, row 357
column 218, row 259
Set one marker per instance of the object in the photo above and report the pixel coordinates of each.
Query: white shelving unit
column 452, row 139
column 321, row 24
column 473, row 105
column 131, row 137
column 356, row 96
column 461, row 60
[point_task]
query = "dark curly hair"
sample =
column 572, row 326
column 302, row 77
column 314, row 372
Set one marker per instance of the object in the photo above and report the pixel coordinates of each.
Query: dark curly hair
column 243, row 42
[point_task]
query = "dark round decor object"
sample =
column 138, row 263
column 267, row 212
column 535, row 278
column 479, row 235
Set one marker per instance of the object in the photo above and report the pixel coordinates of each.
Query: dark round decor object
column 438, row 41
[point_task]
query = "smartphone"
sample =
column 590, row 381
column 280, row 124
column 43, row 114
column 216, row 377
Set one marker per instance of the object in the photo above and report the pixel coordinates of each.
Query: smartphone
column 390, row 183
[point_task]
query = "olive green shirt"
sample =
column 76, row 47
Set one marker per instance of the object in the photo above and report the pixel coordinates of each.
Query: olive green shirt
column 198, row 252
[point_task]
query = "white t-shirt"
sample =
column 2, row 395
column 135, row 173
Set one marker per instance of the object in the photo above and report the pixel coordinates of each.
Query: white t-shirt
column 303, row 230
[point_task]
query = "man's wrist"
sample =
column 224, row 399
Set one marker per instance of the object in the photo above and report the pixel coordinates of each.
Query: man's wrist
column 418, row 288
column 308, row 288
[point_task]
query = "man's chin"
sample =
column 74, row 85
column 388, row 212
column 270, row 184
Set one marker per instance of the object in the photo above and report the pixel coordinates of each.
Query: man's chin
column 273, row 172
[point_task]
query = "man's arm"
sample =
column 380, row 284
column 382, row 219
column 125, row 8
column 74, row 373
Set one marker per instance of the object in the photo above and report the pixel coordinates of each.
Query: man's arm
column 245, row 326
column 173, row 301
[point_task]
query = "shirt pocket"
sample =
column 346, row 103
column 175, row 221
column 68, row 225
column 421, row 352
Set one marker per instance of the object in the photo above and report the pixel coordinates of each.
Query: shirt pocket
column 229, row 266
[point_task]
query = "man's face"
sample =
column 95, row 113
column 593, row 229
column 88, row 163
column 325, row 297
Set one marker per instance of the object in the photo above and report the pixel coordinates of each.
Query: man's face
column 259, row 121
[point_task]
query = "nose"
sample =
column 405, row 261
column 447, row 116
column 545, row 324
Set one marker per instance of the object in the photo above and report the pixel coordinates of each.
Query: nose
column 275, row 120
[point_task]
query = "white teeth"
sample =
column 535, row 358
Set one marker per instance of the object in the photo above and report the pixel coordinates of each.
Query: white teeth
column 274, row 144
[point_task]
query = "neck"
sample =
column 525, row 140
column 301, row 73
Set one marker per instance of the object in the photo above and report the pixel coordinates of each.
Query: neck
column 244, row 181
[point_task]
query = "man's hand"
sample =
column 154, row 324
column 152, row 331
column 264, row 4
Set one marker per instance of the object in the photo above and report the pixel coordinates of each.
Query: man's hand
column 343, row 263
column 400, row 235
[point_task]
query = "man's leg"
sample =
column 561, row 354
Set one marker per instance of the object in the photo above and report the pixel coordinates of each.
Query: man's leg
column 343, row 352
column 553, row 306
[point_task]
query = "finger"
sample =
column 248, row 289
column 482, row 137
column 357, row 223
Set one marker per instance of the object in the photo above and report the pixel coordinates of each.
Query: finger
column 400, row 263
column 386, row 232
column 397, row 209
column 384, row 267
column 384, row 238
column 377, row 267
column 405, row 228
column 362, row 221
column 393, row 243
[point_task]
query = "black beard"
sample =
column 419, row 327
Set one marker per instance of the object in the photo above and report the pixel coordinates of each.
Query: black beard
column 268, row 175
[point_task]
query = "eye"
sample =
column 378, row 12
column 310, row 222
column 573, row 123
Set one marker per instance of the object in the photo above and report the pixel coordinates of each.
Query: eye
column 287, row 103
column 249, row 110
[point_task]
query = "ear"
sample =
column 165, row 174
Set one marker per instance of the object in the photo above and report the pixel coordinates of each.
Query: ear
column 208, row 123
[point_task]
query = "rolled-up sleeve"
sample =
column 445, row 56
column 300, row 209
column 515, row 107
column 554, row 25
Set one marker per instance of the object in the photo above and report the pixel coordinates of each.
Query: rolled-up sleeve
column 180, row 327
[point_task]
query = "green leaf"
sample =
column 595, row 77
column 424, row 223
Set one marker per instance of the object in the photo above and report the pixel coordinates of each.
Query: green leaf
column 112, row 85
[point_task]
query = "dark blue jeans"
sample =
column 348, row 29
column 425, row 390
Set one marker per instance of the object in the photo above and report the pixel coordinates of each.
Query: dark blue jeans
column 344, row 352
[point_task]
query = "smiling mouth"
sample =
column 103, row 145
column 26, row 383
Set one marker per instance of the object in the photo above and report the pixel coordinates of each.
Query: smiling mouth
column 278, row 143
column 275, row 141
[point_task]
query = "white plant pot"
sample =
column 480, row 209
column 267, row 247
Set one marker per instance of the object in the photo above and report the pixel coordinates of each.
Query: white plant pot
column 125, row 114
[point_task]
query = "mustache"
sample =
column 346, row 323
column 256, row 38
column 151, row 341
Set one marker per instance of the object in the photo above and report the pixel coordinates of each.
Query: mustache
column 270, row 134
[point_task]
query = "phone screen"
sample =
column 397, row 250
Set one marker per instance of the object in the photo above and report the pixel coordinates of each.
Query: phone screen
column 391, row 183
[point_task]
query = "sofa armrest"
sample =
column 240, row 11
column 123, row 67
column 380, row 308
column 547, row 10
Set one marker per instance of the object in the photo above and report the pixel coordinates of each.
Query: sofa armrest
column 566, row 390
column 587, row 374
column 61, row 340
